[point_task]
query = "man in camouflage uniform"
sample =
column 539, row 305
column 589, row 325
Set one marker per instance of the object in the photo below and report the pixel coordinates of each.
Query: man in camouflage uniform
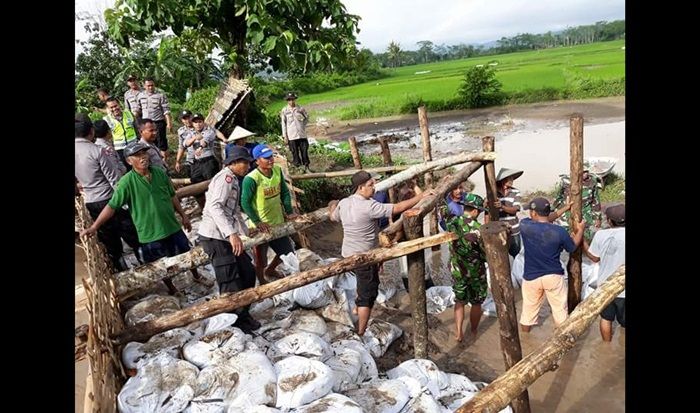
column 592, row 214
column 467, row 260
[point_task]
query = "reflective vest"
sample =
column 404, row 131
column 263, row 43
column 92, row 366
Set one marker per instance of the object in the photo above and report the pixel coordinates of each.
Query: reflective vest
column 123, row 132
column 268, row 201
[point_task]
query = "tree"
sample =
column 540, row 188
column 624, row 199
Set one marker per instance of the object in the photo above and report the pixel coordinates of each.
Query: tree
column 99, row 62
column 394, row 53
column 425, row 48
column 291, row 33
column 480, row 87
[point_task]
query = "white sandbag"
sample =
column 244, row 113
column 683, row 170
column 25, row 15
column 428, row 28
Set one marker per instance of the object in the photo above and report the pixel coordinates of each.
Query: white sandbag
column 314, row 295
column 380, row 396
column 258, row 308
column 454, row 400
column 425, row 371
column 219, row 322
column 439, row 298
column 489, row 305
column 423, row 403
column 331, row 403
column 339, row 309
column 150, row 308
column 215, row 347
column 379, row 335
column 308, row 321
column 337, row 331
column 214, row 384
column 459, row 382
column 256, row 409
column 346, row 364
column 368, row 369
column 415, row 389
column 301, row 381
column 162, row 384
column 517, row 269
column 345, row 281
column 384, row 293
column 257, row 381
column 284, row 299
column 304, row 344
column 166, row 342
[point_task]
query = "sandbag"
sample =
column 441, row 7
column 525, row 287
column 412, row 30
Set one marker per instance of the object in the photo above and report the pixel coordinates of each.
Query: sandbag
column 257, row 381
column 216, row 347
column 379, row 335
column 331, row 403
column 380, row 396
column 150, row 308
column 439, row 298
column 339, row 309
column 162, row 384
column 314, row 295
column 346, row 364
column 423, row 403
column 425, row 371
column 368, row 369
column 166, row 342
column 301, row 381
column 303, row 344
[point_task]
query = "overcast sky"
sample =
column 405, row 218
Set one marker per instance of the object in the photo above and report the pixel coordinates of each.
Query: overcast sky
column 451, row 21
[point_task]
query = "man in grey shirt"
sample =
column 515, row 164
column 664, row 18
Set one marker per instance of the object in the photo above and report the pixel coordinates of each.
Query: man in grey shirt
column 155, row 106
column 131, row 96
column 202, row 139
column 98, row 175
column 294, row 120
column 359, row 215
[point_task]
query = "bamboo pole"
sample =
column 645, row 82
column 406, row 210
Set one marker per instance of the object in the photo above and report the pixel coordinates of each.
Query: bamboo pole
column 350, row 172
column 386, row 157
column 282, row 162
column 490, row 179
column 231, row 301
column 355, row 153
column 427, row 157
column 546, row 357
column 413, row 228
column 495, row 236
column 576, row 194
column 394, row 232
column 137, row 279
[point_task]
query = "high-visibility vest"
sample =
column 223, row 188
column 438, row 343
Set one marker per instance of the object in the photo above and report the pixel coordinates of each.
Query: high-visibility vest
column 123, row 132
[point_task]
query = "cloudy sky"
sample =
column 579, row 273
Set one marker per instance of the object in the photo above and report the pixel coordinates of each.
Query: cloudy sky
column 451, row 21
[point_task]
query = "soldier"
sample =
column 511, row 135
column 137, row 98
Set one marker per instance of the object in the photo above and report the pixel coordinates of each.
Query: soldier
column 220, row 230
column 591, row 208
column 155, row 106
column 98, row 175
column 294, row 120
column 123, row 126
column 151, row 198
column 467, row 259
column 131, row 96
column 147, row 128
column 183, row 133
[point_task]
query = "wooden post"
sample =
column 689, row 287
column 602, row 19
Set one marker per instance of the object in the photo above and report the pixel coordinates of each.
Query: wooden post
column 355, row 153
column 576, row 194
column 495, row 235
column 231, row 301
column 494, row 397
column 427, row 157
column 282, row 162
column 386, row 156
column 193, row 190
column 490, row 179
column 413, row 228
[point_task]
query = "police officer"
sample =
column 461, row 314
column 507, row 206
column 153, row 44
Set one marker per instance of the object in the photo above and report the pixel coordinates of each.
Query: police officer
column 155, row 106
column 131, row 96
column 123, row 126
column 201, row 141
column 183, row 133
column 220, row 230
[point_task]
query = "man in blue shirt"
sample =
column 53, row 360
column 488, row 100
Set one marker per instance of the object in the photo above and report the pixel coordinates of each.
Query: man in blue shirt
column 543, row 274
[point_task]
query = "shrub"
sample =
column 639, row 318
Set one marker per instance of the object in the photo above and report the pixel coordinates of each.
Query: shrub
column 480, row 88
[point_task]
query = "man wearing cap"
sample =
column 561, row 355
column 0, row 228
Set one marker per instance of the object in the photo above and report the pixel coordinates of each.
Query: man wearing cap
column 358, row 214
column 608, row 249
column 155, row 106
column 201, row 140
column 123, row 126
column 467, row 261
column 151, row 198
column 509, row 205
column 591, row 208
column 131, row 96
column 147, row 129
column 183, row 133
column 267, row 201
column 103, row 139
column 294, row 120
column 98, row 175
column 220, row 230
column 543, row 273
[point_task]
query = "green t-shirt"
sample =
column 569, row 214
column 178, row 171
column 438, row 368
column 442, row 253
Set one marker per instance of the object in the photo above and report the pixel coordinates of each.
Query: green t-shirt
column 150, row 204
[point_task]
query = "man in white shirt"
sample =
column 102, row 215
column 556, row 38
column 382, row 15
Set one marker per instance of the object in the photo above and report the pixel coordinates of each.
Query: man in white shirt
column 608, row 249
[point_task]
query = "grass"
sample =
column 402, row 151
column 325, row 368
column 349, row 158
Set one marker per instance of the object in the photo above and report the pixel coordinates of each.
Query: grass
column 558, row 69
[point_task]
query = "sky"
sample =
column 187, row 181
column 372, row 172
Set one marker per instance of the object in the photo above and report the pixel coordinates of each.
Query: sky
column 450, row 21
